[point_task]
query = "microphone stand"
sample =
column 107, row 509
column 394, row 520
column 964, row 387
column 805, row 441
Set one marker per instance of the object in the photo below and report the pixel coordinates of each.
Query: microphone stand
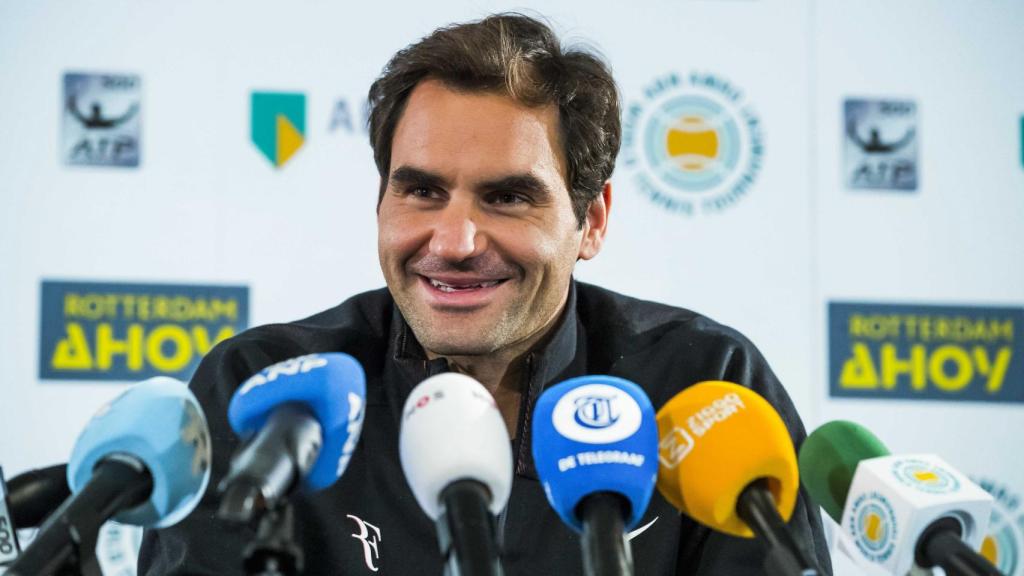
column 274, row 551
column 785, row 555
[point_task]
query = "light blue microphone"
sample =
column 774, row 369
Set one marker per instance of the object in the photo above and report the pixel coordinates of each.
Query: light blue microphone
column 301, row 420
column 595, row 446
column 143, row 459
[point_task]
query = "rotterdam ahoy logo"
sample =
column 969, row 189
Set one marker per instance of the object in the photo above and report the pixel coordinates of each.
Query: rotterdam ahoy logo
column 278, row 124
column 596, row 414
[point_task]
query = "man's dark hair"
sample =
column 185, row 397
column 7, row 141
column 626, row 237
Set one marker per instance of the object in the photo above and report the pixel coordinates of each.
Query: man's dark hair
column 519, row 57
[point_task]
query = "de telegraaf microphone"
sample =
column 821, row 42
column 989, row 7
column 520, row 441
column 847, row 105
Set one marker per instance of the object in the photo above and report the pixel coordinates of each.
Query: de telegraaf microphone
column 26, row 501
column 595, row 445
column 301, row 420
column 143, row 459
column 895, row 512
column 727, row 461
column 457, row 458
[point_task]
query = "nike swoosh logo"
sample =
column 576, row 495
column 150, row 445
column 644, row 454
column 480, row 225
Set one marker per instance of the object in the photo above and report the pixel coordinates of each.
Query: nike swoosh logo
column 641, row 529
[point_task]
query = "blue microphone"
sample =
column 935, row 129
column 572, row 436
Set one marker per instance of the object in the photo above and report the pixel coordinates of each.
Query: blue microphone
column 143, row 459
column 595, row 445
column 301, row 420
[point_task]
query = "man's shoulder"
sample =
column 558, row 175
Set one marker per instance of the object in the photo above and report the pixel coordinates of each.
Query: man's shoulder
column 639, row 320
column 365, row 315
column 358, row 326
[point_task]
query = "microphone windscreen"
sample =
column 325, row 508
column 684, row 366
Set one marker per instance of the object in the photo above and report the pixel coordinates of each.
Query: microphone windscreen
column 595, row 434
column 160, row 423
column 715, row 439
column 452, row 430
column 829, row 458
column 35, row 494
column 332, row 386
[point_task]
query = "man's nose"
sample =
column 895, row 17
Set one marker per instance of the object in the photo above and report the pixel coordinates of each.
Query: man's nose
column 456, row 233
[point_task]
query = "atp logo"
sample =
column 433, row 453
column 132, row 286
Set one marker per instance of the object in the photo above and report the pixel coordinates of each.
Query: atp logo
column 369, row 535
column 278, row 124
column 595, row 412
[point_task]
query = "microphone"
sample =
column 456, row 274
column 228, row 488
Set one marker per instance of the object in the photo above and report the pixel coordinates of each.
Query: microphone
column 727, row 461
column 895, row 511
column 9, row 547
column 301, row 419
column 34, row 495
column 143, row 459
column 595, row 446
column 26, row 501
column 457, row 458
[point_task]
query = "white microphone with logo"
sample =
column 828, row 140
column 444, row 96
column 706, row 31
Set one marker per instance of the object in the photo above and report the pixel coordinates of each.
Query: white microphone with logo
column 895, row 512
column 457, row 457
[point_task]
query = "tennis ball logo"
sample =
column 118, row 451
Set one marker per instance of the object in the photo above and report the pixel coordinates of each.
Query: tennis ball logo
column 874, row 528
column 692, row 144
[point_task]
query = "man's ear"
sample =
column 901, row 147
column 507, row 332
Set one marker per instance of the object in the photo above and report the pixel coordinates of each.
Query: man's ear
column 596, row 223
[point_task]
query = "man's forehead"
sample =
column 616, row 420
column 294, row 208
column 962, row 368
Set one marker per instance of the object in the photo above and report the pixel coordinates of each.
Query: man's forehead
column 441, row 127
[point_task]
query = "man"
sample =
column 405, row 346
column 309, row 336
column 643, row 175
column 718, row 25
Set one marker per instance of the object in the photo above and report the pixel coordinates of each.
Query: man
column 494, row 148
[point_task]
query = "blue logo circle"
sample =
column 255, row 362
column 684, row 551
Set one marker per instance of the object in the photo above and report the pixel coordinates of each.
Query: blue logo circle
column 692, row 144
column 925, row 476
column 873, row 526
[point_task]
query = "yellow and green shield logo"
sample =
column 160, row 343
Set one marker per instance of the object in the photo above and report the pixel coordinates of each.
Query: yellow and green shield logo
column 278, row 122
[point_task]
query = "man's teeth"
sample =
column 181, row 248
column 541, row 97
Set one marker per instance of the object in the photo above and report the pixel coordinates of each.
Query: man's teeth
column 444, row 287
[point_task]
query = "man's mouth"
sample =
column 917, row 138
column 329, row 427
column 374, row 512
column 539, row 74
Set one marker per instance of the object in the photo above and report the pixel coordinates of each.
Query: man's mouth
column 450, row 286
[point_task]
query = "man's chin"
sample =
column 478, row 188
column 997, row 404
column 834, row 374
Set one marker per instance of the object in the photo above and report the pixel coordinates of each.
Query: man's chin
column 457, row 345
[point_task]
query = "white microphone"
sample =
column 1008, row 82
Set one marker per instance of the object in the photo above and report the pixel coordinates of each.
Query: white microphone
column 457, row 458
column 895, row 512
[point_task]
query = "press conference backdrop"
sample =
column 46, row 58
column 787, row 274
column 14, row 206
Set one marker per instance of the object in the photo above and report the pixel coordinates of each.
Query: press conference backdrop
column 841, row 181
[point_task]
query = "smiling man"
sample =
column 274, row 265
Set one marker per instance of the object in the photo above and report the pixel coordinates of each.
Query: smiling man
column 495, row 147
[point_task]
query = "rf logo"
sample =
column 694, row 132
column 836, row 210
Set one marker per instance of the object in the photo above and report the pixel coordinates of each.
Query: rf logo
column 370, row 552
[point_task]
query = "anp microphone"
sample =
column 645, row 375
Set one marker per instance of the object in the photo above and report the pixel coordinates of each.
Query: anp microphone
column 595, row 446
column 301, row 420
column 457, row 458
column 727, row 461
column 895, row 511
column 143, row 459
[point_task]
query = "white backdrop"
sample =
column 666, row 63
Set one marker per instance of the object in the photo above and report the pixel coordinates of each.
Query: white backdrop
column 204, row 207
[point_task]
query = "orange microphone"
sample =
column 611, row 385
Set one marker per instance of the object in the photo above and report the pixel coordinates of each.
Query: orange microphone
column 727, row 461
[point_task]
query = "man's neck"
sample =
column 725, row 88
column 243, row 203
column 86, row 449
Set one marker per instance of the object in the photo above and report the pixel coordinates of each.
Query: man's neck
column 502, row 371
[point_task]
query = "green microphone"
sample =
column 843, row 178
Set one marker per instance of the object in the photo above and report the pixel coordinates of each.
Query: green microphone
column 829, row 458
column 895, row 512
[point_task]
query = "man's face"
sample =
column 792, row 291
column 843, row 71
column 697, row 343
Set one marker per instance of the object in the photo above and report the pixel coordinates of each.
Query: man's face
column 476, row 234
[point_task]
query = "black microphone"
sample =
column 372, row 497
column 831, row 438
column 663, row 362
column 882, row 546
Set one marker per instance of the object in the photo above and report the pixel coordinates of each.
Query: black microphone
column 34, row 495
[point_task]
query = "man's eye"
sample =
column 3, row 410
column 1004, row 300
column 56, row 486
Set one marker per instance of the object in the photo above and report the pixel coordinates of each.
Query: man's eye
column 421, row 192
column 508, row 198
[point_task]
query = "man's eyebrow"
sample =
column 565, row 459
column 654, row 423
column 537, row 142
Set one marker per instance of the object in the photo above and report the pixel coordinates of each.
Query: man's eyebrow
column 524, row 181
column 409, row 175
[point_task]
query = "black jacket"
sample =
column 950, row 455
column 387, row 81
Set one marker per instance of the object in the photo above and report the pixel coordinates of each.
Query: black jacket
column 369, row 518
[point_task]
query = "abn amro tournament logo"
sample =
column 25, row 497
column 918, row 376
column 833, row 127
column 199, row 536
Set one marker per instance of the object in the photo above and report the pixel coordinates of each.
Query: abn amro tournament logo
column 101, row 122
column 1005, row 539
column 873, row 526
column 278, row 124
column 880, row 144
column 693, row 144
